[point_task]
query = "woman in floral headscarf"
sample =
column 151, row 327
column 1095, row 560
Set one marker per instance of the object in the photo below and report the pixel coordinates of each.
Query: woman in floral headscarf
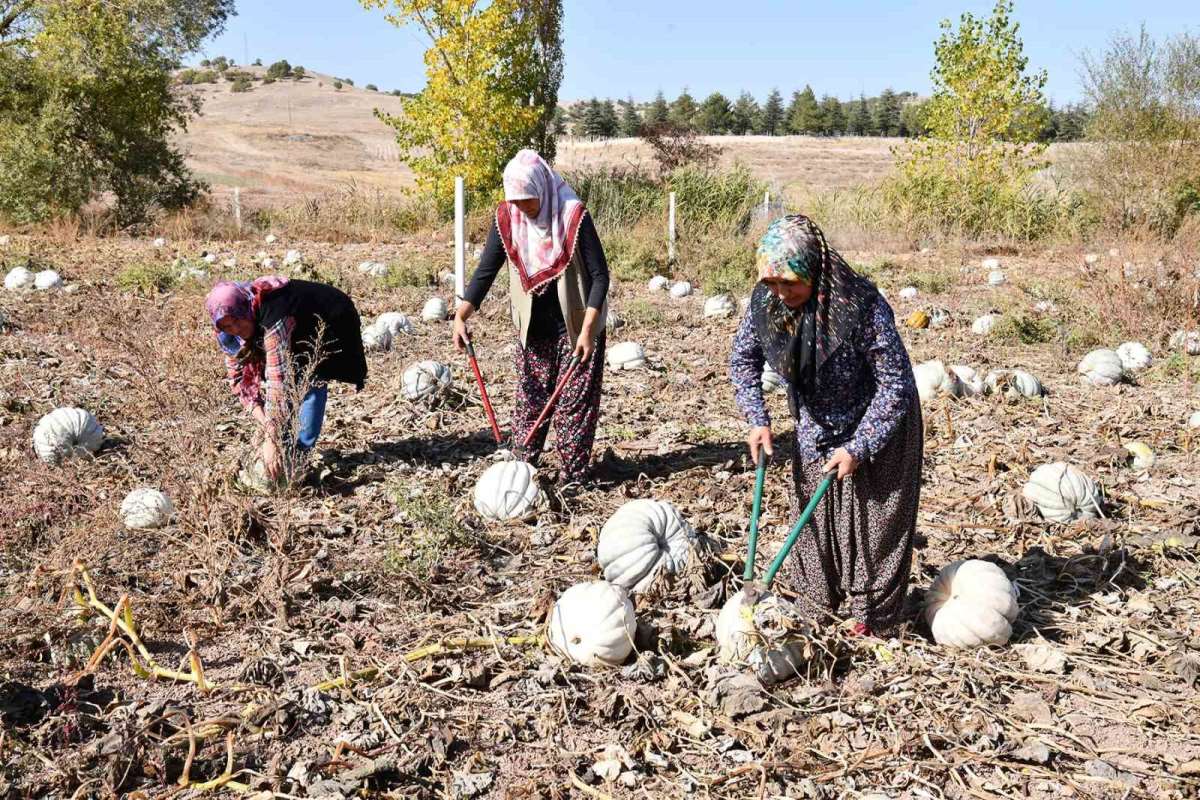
column 269, row 330
column 827, row 331
column 558, row 289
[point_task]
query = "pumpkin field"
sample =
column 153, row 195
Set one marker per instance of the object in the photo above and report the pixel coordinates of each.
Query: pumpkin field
column 379, row 629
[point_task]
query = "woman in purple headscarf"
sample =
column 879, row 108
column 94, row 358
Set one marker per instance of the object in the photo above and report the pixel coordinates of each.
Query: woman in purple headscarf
column 269, row 330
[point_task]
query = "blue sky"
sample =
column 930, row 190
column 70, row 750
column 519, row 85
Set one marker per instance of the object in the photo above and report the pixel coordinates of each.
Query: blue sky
column 620, row 47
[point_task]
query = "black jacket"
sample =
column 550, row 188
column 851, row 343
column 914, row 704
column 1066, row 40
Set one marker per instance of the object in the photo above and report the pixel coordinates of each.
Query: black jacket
column 318, row 307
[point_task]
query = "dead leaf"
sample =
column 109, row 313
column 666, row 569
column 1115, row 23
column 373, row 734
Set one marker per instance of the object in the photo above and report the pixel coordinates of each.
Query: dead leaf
column 1043, row 658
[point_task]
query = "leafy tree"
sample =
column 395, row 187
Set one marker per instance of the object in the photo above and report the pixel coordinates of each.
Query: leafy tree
column 744, row 117
column 492, row 75
column 912, row 118
column 298, row 72
column 833, row 118
column 773, row 120
column 714, row 115
column 974, row 171
column 683, row 110
column 887, row 113
column 804, row 114
column 88, row 104
column 370, row 87
column 658, row 111
column 558, row 123
column 859, row 123
column 337, row 85
column 631, row 121
column 258, row 62
column 280, row 69
column 241, row 85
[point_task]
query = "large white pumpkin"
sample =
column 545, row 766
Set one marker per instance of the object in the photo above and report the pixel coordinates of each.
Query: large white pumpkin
column 737, row 635
column 425, row 380
column 593, row 623
column 720, row 305
column 772, row 381
column 1187, row 341
column 658, row 283
column 990, row 263
column 939, row 318
column 626, row 355
column 376, row 269
column 1013, row 383
column 291, row 258
column 971, row 604
column 970, row 380
column 507, row 490
column 1062, row 493
column 933, row 379
column 996, row 278
column 1140, row 455
column 19, row 278
column 271, row 238
column 376, row 338
column 1134, row 356
column 146, row 508
column 1102, row 368
column 643, row 540
column 394, row 322
column 908, row 293
column 983, row 325
column 435, row 310
column 47, row 279
column 681, row 289
column 1194, row 420
column 66, row 432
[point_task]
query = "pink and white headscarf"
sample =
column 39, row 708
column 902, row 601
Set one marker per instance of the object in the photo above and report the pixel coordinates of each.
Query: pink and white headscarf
column 539, row 248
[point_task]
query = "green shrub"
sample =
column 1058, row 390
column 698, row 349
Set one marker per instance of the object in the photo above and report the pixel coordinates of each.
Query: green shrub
column 633, row 257
column 241, row 85
column 370, row 87
column 298, row 72
column 417, row 273
column 280, row 69
column 147, row 278
column 267, row 81
column 724, row 200
column 722, row 265
column 933, row 280
column 337, row 85
column 1025, row 328
column 640, row 312
column 430, row 532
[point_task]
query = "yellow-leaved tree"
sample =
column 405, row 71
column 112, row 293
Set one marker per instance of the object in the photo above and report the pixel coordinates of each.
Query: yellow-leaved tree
column 973, row 172
column 492, row 75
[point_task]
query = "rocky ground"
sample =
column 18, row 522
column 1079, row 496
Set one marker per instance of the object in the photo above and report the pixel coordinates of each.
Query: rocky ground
column 366, row 634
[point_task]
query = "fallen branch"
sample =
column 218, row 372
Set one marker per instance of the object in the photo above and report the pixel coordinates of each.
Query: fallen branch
column 436, row 649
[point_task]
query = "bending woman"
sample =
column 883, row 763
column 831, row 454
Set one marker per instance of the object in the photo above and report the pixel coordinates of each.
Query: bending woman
column 269, row 331
column 833, row 338
column 558, row 289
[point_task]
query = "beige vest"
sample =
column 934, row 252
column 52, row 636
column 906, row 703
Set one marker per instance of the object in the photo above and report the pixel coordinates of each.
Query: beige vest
column 572, row 299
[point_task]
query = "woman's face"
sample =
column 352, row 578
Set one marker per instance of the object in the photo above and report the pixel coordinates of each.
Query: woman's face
column 529, row 206
column 241, row 328
column 793, row 293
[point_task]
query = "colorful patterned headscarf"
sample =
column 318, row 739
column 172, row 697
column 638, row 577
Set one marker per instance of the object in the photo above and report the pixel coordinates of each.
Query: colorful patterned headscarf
column 797, row 342
column 539, row 248
column 241, row 300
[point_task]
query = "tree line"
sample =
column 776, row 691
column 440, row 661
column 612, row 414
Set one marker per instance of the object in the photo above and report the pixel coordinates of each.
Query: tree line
column 890, row 113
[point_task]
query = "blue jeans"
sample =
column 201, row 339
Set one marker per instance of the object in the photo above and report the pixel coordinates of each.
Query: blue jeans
column 312, row 416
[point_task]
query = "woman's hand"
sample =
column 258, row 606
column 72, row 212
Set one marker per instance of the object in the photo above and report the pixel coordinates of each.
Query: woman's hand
column 272, row 459
column 584, row 345
column 842, row 461
column 260, row 415
column 459, row 333
column 760, row 436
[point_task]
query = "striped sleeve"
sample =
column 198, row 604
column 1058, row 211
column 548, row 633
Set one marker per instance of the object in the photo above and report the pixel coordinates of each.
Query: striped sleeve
column 277, row 343
column 247, row 395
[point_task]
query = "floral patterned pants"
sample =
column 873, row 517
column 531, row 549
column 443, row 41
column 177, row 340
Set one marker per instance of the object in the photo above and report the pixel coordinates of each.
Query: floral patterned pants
column 539, row 365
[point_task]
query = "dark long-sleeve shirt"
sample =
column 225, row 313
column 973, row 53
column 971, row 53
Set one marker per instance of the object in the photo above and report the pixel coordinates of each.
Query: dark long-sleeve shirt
column 547, row 320
column 868, row 378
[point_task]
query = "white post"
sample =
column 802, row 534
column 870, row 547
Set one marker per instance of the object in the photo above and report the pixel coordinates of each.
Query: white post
column 460, row 244
column 237, row 208
column 671, row 228
column 767, row 206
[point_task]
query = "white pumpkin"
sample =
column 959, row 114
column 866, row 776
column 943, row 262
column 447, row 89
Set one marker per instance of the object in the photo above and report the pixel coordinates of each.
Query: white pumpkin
column 908, row 293
column 146, row 508
column 1045, row 307
column 772, row 381
column 376, row 269
column 681, row 289
column 1091, row 259
column 983, row 325
column 939, row 318
column 612, row 322
column 1062, row 493
column 1187, row 341
column 160, row 242
column 658, row 283
column 271, row 238
column 1102, row 368
column 435, row 310
column 1140, row 455
column 425, row 380
column 5, row 240
column 626, row 355
column 507, row 490
column 19, row 278
column 267, row 263
column 376, row 338
column 291, row 258
column 230, row 263
column 970, row 380
column 996, row 278
column 66, row 432
column 933, row 379
column 210, row 258
column 1013, row 383
column 990, row 263
column 642, row 540
column 1134, row 356
column 766, row 635
column 593, row 623
column 1194, row 420
column 737, row 635
column 720, row 305
column 394, row 322
column 971, row 604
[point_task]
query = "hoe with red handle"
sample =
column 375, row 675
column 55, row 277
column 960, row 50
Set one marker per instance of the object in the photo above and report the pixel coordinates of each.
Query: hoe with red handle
column 487, row 404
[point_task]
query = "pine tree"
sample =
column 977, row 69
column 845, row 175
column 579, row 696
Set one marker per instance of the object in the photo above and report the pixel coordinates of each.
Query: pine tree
column 713, row 118
column 772, row 121
column 744, row 117
column 887, row 113
column 833, row 118
column 804, row 114
column 592, row 119
column 558, row 123
column 631, row 121
column 860, row 118
column 658, row 110
column 683, row 110
column 610, row 124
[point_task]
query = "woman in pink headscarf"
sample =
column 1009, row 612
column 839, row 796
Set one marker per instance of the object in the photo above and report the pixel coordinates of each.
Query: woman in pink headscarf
column 558, row 289
column 269, row 330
